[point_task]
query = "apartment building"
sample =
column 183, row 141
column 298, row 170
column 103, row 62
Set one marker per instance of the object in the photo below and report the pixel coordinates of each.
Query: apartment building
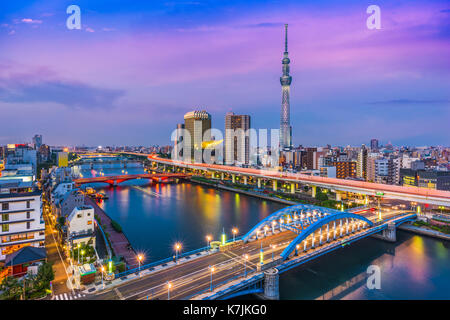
column 22, row 223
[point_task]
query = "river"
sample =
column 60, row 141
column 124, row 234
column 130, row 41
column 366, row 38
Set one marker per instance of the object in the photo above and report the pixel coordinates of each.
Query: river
column 156, row 216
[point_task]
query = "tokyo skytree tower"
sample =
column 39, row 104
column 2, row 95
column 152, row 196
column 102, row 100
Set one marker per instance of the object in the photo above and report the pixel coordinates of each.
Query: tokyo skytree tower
column 285, row 79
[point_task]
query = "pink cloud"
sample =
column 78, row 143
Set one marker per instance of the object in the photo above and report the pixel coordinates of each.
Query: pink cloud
column 26, row 20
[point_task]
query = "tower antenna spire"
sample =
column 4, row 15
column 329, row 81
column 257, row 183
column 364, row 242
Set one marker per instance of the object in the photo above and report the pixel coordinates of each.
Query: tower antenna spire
column 286, row 38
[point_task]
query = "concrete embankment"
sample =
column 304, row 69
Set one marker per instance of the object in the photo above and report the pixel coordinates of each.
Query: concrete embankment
column 424, row 232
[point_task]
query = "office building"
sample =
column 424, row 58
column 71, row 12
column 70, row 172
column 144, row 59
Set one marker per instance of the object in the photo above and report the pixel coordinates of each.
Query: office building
column 237, row 139
column 198, row 125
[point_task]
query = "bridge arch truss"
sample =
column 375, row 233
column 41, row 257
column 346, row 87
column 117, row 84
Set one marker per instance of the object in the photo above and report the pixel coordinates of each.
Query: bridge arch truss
column 291, row 218
column 325, row 221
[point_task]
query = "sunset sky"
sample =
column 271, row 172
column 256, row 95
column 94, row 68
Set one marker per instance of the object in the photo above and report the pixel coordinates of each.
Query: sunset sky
column 133, row 70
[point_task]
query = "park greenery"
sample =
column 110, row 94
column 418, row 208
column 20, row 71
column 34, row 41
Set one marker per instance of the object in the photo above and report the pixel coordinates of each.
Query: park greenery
column 116, row 226
column 88, row 256
column 29, row 286
column 444, row 228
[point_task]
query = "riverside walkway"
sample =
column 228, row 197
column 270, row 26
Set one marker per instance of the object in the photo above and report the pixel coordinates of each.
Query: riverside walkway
column 119, row 242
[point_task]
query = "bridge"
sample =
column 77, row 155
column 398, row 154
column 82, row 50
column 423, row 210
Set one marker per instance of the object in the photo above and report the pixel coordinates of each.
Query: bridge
column 252, row 263
column 115, row 180
column 407, row 193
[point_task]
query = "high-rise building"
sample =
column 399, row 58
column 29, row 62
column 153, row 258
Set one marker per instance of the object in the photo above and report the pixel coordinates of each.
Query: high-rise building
column 345, row 169
column 361, row 165
column 37, row 141
column 198, row 124
column 237, row 138
column 311, row 158
column 371, row 166
column 285, row 79
column 374, row 145
column 62, row 159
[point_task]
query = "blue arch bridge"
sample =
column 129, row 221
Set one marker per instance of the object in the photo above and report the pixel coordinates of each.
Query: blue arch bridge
column 252, row 263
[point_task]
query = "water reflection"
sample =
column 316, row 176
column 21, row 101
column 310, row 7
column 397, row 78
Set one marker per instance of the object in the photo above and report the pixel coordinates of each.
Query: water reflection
column 411, row 268
column 183, row 212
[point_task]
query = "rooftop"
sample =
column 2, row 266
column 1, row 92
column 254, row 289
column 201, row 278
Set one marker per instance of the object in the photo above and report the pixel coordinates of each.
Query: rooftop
column 25, row 255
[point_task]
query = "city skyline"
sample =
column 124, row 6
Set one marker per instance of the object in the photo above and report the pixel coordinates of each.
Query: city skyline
column 388, row 83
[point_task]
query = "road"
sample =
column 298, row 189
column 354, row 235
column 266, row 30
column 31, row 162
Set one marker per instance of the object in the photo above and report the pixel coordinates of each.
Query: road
column 190, row 277
column 55, row 255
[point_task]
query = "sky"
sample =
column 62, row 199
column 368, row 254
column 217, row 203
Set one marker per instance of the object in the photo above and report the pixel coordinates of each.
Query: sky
column 135, row 68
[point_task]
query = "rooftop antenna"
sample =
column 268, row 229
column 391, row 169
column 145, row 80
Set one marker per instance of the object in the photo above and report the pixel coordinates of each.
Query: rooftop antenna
column 286, row 38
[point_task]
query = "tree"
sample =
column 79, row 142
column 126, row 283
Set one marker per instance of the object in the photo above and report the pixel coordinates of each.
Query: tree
column 44, row 275
column 12, row 289
column 321, row 196
column 62, row 220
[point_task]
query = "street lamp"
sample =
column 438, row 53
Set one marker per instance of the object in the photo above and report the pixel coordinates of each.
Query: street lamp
column 235, row 230
column 78, row 255
column 82, row 256
column 265, row 230
column 103, row 270
column 169, row 285
column 212, row 270
column 177, row 248
column 245, row 265
column 208, row 240
column 140, row 257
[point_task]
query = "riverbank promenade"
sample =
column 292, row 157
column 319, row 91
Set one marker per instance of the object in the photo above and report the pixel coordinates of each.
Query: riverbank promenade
column 119, row 242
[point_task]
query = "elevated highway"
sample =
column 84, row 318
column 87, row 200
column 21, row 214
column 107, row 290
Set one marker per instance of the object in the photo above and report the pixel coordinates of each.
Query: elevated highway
column 406, row 193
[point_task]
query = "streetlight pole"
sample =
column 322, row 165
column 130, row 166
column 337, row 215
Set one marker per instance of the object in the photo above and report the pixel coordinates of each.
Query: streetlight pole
column 140, row 258
column 245, row 265
column 169, row 285
column 208, row 240
column 177, row 248
column 103, row 270
column 234, row 234
column 212, row 270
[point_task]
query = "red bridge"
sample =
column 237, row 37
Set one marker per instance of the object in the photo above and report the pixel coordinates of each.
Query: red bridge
column 114, row 180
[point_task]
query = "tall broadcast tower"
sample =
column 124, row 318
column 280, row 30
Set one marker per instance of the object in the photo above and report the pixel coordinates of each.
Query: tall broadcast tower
column 285, row 120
